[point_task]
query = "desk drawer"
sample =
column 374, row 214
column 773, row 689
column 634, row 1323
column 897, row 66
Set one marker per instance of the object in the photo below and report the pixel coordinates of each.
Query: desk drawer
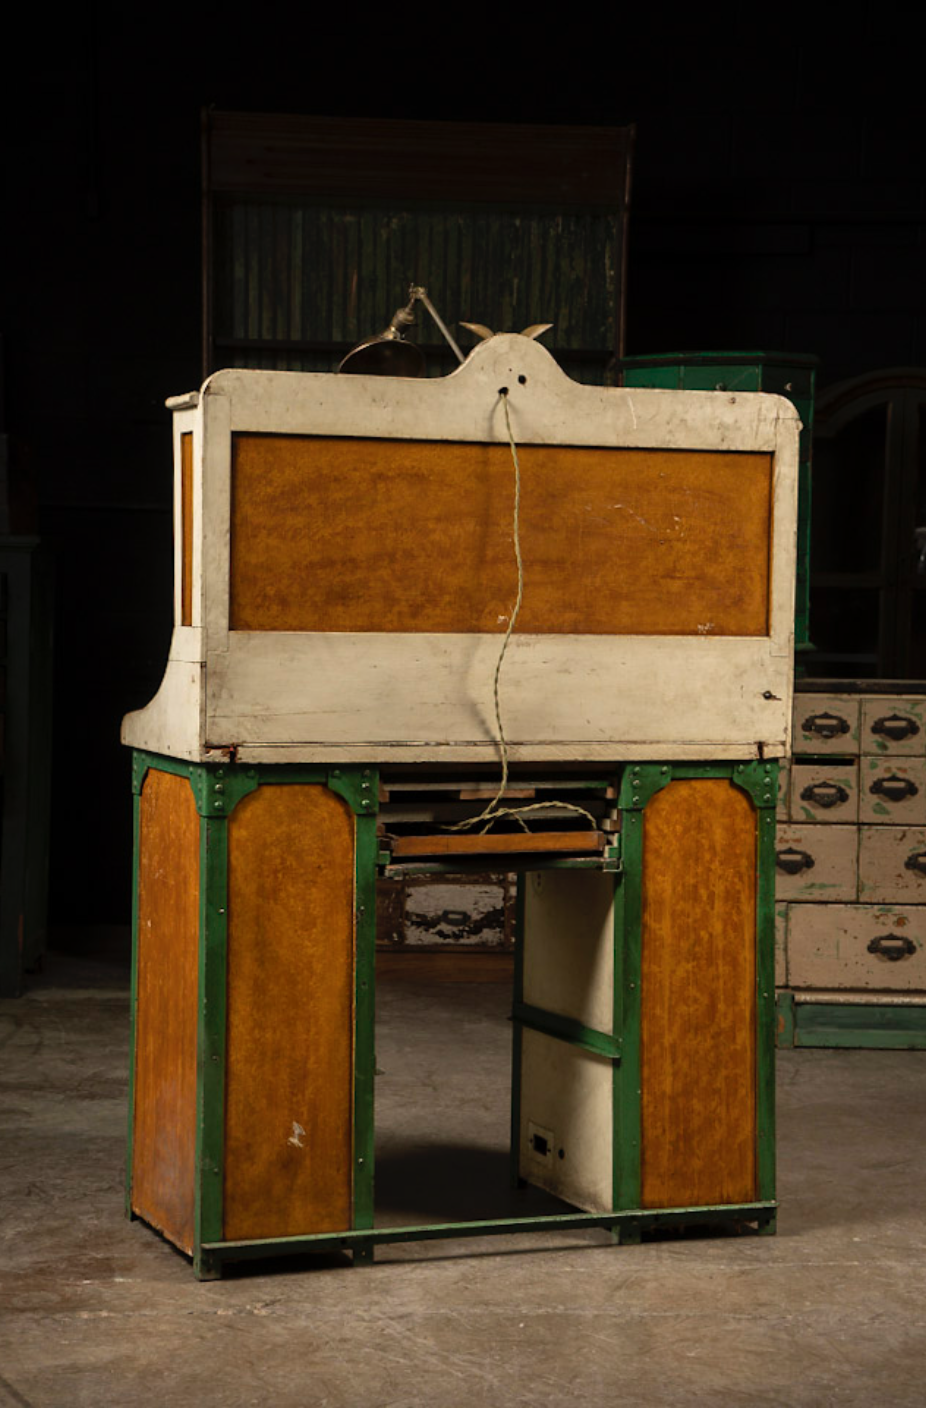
column 892, row 790
column 824, row 792
column 857, row 946
column 892, row 864
column 816, row 862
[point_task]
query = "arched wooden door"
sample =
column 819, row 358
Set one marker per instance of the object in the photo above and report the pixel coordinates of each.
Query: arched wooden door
column 868, row 537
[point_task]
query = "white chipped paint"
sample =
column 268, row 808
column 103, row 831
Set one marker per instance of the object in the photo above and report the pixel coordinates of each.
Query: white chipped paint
column 369, row 697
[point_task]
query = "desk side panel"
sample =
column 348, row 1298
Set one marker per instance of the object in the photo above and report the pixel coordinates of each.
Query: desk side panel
column 164, row 1134
column 289, row 1092
column 698, row 996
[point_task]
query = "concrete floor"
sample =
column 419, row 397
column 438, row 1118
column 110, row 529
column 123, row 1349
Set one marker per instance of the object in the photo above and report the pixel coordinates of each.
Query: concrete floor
column 99, row 1311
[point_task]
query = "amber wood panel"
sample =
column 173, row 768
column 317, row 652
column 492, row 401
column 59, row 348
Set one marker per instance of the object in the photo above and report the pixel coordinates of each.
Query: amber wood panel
column 389, row 535
column 288, row 1132
column 698, row 1018
column 497, row 844
column 164, row 1134
column 186, row 516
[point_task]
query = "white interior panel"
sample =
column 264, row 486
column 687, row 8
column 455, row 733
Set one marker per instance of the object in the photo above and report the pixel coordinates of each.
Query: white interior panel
column 569, row 945
column 566, row 1093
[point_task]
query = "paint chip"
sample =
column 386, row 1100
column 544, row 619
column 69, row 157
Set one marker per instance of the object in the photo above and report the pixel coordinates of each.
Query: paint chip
column 294, row 1138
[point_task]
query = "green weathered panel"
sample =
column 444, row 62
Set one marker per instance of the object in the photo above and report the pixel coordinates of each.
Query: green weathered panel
column 133, row 1002
column 364, row 1017
column 210, row 1045
column 567, row 1029
column 862, row 1025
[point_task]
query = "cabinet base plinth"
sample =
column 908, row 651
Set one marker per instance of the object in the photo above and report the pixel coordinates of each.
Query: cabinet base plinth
column 626, row 1228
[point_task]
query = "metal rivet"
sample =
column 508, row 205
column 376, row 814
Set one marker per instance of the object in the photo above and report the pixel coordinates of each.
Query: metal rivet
column 219, row 805
column 220, row 787
column 220, row 773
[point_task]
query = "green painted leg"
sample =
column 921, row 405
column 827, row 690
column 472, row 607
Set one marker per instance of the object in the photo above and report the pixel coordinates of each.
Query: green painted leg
column 363, row 1256
column 769, row 1227
column 207, row 1267
column 626, row 1234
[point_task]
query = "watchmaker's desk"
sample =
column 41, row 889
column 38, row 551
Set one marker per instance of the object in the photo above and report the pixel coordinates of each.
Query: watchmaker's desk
column 344, row 579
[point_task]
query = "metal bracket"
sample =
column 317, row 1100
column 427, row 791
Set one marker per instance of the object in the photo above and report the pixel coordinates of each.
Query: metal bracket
column 359, row 787
column 760, row 780
column 219, row 788
column 640, row 782
column 140, row 765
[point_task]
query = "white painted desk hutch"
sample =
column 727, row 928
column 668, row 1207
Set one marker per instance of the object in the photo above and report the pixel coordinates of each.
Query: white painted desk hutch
column 344, row 579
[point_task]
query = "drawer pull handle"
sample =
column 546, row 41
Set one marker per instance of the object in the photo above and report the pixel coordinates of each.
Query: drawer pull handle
column 826, row 725
column 896, row 727
column 916, row 861
column 894, row 788
column 825, row 794
column 893, row 947
column 792, row 861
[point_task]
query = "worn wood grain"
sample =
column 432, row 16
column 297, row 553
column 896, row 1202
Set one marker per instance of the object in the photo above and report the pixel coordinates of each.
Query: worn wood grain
column 443, row 844
column 698, row 1000
column 447, row 161
column 459, row 966
column 343, row 534
column 186, row 526
column 289, row 1122
column 164, row 1133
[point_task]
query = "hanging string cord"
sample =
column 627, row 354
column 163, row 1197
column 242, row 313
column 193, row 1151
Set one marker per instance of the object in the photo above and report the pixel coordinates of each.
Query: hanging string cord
column 493, row 811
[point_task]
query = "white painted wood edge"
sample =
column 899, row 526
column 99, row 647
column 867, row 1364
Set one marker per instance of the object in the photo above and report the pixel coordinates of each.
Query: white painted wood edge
column 547, row 407
column 607, row 754
column 866, row 998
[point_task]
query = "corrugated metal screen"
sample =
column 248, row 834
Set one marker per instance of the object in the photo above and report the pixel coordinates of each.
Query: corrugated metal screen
column 296, row 278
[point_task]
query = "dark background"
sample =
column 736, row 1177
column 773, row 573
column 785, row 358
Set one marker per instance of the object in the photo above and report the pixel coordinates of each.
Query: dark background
column 779, row 201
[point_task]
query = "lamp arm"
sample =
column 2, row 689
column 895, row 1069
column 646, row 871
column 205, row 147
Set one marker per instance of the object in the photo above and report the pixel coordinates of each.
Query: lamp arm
column 421, row 293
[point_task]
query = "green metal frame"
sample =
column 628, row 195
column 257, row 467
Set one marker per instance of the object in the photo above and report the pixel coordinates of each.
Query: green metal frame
column 641, row 782
column 636, row 1221
column 219, row 787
